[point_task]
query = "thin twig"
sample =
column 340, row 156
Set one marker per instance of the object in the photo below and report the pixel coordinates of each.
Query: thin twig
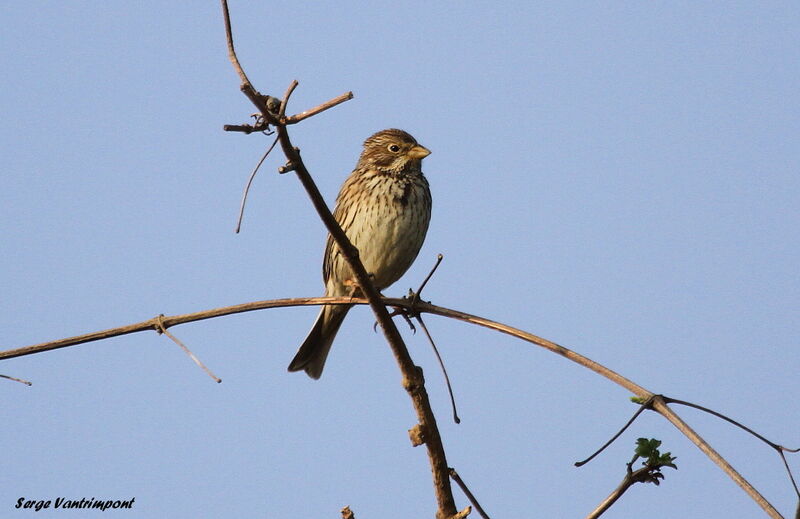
column 294, row 119
column 639, row 411
column 15, row 379
column 243, row 128
column 456, row 419
column 465, row 489
column 250, row 181
column 285, row 100
column 163, row 329
column 439, row 258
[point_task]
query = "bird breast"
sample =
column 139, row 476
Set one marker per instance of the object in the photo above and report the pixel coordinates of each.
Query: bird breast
column 387, row 223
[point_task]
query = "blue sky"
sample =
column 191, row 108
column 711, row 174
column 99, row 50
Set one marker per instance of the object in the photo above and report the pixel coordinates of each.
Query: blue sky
column 621, row 178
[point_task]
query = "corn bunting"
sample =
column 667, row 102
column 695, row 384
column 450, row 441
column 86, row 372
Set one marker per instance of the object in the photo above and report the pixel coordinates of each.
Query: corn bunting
column 384, row 207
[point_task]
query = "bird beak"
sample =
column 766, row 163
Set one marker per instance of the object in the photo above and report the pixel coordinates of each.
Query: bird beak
column 419, row 152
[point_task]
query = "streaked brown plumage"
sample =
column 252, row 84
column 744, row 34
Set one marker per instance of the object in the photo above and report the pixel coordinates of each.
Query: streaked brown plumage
column 384, row 207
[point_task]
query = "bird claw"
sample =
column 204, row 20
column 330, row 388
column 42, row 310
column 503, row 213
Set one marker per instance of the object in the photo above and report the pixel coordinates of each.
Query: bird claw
column 399, row 311
column 410, row 324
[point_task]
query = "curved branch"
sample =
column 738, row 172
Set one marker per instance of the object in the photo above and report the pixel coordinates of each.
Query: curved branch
column 658, row 403
column 539, row 341
column 231, row 50
column 169, row 321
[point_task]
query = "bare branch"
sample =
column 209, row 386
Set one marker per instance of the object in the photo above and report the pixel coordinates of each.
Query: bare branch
column 658, row 403
column 246, row 87
column 229, row 38
column 168, row 322
column 665, row 411
column 294, row 119
column 780, row 449
column 535, row 339
column 260, row 101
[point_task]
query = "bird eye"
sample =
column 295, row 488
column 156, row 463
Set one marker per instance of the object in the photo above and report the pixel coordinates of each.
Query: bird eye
column 394, row 148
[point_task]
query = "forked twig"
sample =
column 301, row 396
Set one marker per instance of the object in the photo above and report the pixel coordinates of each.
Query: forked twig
column 630, row 479
column 780, row 449
column 654, row 461
column 731, row 421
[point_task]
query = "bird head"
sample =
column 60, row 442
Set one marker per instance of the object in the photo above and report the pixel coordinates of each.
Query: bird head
column 393, row 150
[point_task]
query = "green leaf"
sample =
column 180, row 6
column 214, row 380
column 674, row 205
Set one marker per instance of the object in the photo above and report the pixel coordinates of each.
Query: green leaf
column 648, row 450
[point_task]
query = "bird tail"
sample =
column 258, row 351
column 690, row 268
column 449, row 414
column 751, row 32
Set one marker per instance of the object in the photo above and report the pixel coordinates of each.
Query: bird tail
column 314, row 350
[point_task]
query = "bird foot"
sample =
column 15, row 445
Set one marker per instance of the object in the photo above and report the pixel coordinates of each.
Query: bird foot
column 413, row 299
column 399, row 311
column 408, row 312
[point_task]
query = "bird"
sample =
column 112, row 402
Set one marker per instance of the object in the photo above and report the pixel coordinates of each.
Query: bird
column 384, row 208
